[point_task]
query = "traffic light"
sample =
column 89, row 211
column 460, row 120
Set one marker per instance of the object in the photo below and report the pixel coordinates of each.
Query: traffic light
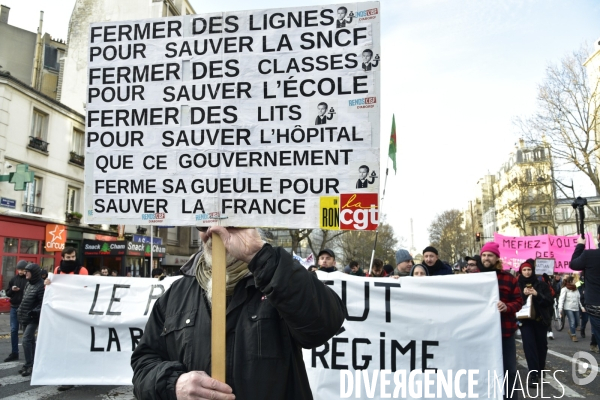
column 478, row 237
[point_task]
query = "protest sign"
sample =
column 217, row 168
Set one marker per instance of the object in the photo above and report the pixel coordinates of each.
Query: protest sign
column 244, row 118
column 514, row 250
column 450, row 323
column 89, row 327
column 544, row 266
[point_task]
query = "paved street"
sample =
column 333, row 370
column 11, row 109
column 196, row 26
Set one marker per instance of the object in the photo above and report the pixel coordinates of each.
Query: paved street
column 15, row 387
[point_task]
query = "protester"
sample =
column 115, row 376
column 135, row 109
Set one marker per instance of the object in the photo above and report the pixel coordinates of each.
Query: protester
column 326, row 260
column 434, row 264
column 473, row 264
column 377, row 270
column 104, row 271
column 534, row 330
column 44, row 275
column 15, row 290
column 389, row 269
column 570, row 303
column 114, row 273
column 557, row 285
column 404, row 263
column 29, row 313
column 355, row 269
column 275, row 309
column 510, row 302
column 580, row 284
column 69, row 264
column 419, row 270
column 548, row 281
column 157, row 272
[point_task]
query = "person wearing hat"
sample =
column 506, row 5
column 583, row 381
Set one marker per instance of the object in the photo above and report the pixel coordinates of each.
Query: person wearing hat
column 326, row 260
column 29, row 313
column 434, row 264
column 404, row 263
column 473, row 264
column 510, row 302
column 533, row 331
column 15, row 290
column 157, row 272
column 419, row 270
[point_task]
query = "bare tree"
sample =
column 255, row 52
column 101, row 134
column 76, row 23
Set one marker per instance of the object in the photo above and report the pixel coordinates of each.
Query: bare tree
column 358, row 245
column 447, row 234
column 567, row 116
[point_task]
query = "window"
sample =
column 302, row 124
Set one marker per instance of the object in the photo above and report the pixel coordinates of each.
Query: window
column 544, row 230
column 534, row 231
column 533, row 213
column 528, row 175
column 597, row 210
column 77, row 142
column 565, row 213
column 173, row 236
column 32, row 196
column 39, row 125
column 72, row 200
column 542, row 210
column 194, row 237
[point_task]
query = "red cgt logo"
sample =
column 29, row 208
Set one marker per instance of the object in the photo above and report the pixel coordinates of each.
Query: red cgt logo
column 359, row 211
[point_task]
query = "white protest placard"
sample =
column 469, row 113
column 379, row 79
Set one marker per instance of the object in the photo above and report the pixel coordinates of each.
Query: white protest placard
column 90, row 325
column 450, row 323
column 544, row 266
column 396, row 329
column 243, row 118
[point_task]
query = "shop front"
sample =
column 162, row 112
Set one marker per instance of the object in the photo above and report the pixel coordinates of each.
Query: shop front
column 126, row 257
column 24, row 239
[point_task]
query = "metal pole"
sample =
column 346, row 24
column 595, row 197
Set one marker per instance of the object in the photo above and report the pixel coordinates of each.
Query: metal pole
column 151, row 244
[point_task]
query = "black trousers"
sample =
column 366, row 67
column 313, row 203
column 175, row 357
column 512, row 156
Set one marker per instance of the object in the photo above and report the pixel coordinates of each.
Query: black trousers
column 535, row 344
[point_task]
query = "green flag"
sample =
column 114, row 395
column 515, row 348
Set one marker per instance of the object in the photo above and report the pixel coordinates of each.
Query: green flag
column 392, row 150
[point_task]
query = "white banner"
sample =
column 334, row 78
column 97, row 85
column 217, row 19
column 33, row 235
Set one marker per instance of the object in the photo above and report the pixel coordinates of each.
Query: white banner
column 450, row 323
column 258, row 118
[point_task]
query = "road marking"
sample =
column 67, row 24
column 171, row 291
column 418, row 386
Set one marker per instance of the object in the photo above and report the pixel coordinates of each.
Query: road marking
column 11, row 380
column 583, row 365
column 568, row 392
column 9, row 365
column 120, row 393
column 39, row 393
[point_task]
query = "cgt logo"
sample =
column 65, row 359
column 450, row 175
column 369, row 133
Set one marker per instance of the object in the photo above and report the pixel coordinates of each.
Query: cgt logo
column 580, row 368
column 359, row 211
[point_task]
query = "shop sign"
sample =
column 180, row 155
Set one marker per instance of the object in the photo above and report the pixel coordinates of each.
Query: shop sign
column 56, row 237
column 144, row 249
column 102, row 248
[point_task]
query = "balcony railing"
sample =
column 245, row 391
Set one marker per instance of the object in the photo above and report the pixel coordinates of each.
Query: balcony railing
column 38, row 144
column 32, row 209
column 76, row 158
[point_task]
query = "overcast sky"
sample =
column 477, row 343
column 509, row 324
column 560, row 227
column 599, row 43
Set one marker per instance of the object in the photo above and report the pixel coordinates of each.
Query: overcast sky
column 455, row 73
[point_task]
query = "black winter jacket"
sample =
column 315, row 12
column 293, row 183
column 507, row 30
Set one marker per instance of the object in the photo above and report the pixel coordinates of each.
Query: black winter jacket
column 16, row 297
column 543, row 303
column 271, row 316
column 32, row 298
column 588, row 261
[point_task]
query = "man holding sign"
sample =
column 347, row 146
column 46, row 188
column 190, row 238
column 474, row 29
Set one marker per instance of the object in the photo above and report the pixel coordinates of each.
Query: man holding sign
column 275, row 308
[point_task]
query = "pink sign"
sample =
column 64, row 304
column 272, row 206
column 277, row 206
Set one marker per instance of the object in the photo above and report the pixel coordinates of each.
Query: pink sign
column 514, row 250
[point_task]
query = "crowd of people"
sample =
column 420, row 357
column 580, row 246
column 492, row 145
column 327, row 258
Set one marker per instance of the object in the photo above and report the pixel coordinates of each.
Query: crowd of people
column 526, row 307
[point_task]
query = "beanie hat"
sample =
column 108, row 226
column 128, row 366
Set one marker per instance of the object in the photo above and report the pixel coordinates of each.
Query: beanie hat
column 492, row 247
column 403, row 255
column 528, row 263
column 430, row 249
column 22, row 264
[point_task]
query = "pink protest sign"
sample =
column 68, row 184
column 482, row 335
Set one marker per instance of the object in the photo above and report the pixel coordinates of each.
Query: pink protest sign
column 514, row 250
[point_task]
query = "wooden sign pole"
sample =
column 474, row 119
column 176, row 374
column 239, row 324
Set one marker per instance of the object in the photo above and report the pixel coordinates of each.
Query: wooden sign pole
column 219, row 308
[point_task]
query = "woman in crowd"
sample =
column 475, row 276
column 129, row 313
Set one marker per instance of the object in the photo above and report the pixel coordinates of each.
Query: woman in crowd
column 533, row 330
column 570, row 302
column 419, row 270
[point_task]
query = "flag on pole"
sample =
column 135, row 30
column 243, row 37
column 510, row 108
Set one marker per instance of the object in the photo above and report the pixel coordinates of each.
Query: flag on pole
column 392, row 150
